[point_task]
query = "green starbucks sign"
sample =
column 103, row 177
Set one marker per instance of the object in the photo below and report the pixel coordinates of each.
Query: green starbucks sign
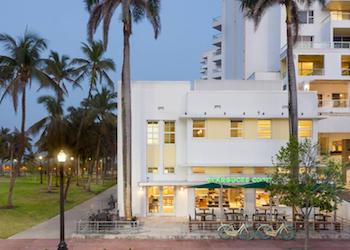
column 238, row 180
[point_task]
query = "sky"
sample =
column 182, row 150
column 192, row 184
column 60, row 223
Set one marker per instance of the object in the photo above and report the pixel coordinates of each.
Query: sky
column 186, row 33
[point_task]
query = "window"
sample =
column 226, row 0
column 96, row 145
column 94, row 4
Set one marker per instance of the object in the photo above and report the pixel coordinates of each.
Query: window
column 260, row 170
column 209, row 198
column 198, row 128
column 340, row 15
column 169, row 132
column 264, row 129
column 152, row 133
column 169, row 170
column 305, row 41
column 168, row 199
column 337, row 147
column 310, row 65
column 305, row 128
column 345, row 65
column 236, row 128
column 153, row 194
column 320, row 100
column 152, row 170
column 262, row 198
column 235, row 170
column 306, row 16
column 339, row 100
column 198, row 170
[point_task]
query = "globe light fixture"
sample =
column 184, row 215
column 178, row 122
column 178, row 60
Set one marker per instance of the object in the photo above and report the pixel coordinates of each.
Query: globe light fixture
column 61, row 157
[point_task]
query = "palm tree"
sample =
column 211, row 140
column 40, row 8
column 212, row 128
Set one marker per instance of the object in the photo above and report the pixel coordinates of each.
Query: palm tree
column 255, row 9
column 18, row 68
column 53, row 129
column 61, row 71
column 132, row 10
column 93, row 66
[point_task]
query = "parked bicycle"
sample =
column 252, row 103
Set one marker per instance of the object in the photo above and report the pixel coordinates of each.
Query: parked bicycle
column 266, row 232
column 227, row 231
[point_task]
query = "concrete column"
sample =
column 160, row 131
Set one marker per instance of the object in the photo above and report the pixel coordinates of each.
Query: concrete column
column 249, row 200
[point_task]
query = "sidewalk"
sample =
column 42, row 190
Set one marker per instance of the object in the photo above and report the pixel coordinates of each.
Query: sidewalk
column 50, row 228
column 98, row 244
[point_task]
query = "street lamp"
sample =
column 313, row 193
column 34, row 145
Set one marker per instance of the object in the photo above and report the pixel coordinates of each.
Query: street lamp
column 41, row 168
column 61, row 158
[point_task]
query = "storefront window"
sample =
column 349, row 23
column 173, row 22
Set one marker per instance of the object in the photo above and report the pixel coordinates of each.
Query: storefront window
column 262, row 198
column 153, row 199
column 233, row 197
column 168, row 199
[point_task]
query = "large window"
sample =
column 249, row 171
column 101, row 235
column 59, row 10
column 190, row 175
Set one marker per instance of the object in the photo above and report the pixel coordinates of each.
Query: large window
column 152, row 132
column 337, row 147
column 264, row 129
column 198, row 128
column 236, row 170
column 345, row 65
column 198, row 170
column 168, row 199
column 209, row 198
column 306, row 16
column 236, row 128
column 153, row 199
column 262, row 198
column 340, row 15
column 305, row 128
column 161, row 199
column 169, row 132
column 339, row 100
column 310, row 65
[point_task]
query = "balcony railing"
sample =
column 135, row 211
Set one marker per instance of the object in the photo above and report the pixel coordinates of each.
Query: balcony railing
column 341, row 45
column 217, row 36
column 218, row 70
column 339, row 103
column 217, row 52
column 311, row 72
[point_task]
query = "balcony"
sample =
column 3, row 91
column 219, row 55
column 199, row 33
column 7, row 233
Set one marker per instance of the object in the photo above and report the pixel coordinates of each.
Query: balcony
column 217, row 56
column 217, row 39
column 217, row 23
column 338, row 4
column 339, row 103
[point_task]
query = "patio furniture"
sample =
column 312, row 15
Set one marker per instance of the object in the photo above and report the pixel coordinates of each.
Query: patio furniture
column 299, row 221
column 321, row 221
column 204, row 213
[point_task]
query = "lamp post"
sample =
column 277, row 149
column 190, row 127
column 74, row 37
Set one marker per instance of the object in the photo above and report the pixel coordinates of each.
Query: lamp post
column 61, row 158
column 41, row 169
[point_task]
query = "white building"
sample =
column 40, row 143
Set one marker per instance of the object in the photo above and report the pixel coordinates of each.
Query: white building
column 321, row 56
column 183, row 136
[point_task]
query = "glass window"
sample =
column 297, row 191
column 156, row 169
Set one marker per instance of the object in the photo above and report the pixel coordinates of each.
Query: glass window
column 309, row 65
column 209, row 198
column 339, row 100
column 345, row 65
column 306, row 16
column 152, row 132
column 337, row 147
column 153, row 199
column 198, row 128
column 169, row 170
column 198, row 170
column 264, row 129
column 235, row 170
column 169, row 132
column 236, row 128
column 305, row 128
column 152, row 170
column 262, row 198
column 260, row 170
column 320, row 100
column 168, row 199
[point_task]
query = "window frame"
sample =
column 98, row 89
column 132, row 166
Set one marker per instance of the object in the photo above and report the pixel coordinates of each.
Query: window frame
column 311, row 129
column 151, row 140
column 169, row 133
column 199, row 128
column 237, row 129
column 260, row 129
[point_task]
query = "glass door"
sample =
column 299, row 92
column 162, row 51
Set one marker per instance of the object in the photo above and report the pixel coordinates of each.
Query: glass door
column 161, row 200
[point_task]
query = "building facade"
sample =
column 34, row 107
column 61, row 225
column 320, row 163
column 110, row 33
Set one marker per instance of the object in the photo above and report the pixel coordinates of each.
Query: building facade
column 183, row 136
column 321, row 57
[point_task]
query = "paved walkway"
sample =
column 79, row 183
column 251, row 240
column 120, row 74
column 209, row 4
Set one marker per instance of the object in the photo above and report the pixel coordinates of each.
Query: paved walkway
column 98, row 244
column 50, row 229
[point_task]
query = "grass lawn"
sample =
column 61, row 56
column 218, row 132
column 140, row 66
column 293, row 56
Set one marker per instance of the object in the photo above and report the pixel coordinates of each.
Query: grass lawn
column 34, row 205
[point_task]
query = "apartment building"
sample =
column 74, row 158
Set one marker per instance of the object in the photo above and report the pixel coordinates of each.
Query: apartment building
column 321, row 57
column 184, row 135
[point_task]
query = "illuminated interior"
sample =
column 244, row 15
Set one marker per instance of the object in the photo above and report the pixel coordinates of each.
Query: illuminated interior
column 198, row 128
column 209, row 197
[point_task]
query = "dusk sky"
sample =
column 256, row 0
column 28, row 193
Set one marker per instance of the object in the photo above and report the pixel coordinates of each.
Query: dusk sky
column 186, row 34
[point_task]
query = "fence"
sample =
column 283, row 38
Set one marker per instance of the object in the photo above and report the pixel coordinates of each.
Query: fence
column 105, row 227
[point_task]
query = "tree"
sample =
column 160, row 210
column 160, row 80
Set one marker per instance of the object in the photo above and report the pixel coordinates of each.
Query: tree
column 255, row 9
column 132, row 10
column 60, row 69
column 18, row 68
column 319, row 183
column 53, row 129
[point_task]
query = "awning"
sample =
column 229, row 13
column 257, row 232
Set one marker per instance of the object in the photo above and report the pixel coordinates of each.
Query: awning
column 262, row 184
column 212, row 185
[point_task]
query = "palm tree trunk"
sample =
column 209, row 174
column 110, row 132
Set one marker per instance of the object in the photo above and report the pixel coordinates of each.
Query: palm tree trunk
column 126, row 110
column 90, row 171
column 97, row 157
column 11, row 186
column 292, row 90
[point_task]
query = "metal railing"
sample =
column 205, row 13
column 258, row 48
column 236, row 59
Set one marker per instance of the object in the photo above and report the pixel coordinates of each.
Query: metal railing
column 217, row 52
column 105, row 227
column 339, row 103
column 311, row 72
column 341, row 45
